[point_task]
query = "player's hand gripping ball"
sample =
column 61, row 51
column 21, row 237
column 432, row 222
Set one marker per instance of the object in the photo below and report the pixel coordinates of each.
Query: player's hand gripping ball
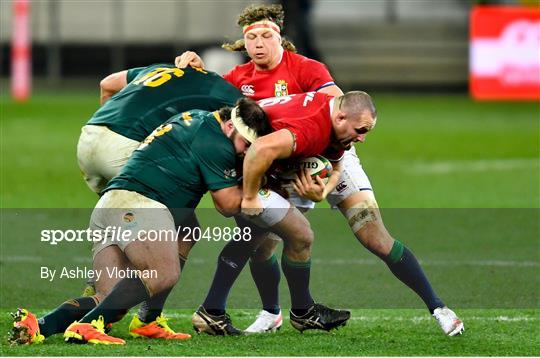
column 317, row 166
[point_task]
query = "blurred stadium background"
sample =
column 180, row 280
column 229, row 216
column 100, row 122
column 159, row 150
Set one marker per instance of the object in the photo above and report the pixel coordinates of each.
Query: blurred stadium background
column 368, row 44
column 434, row 147
column 388, row 43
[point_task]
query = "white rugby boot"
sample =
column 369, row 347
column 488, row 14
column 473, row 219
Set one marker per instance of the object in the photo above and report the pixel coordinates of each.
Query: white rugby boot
column 449, row 321
column 266, row 322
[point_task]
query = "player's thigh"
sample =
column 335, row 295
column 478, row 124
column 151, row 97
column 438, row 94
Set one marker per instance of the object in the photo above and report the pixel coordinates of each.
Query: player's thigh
column 144, row 231
column 186, row 240
column 154, row 245
column 105, row 262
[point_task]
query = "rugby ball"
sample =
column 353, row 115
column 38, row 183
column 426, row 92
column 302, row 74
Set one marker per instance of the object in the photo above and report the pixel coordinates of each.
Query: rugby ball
column 317, row 166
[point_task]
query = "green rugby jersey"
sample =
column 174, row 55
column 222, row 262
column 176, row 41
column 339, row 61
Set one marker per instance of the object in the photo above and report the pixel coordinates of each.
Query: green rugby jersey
column 180, row 161
column 156, row 93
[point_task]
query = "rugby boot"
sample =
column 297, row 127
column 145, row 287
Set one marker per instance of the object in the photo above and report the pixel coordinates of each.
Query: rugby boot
column 449, row 321
column 320, row 317
column 90, row 333
column 25, row 328
column 212, row 324
column 266, row 322
column 158, row 329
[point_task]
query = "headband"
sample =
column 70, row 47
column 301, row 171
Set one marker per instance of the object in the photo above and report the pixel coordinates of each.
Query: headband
column 262, row 24
column 248, row 133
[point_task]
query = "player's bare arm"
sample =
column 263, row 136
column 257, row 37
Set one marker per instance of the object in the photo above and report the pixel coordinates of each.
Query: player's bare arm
column 227, row 200
column 337, row 167
column 333, row 90
column 112, row 84
column 261, row 155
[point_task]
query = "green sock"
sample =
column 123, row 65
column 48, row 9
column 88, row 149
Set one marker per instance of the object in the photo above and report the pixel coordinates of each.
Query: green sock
column 72, row 310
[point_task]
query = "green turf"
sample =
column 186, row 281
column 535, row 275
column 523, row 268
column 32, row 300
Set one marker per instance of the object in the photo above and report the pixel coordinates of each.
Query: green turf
column 426, row 151
column 443, row 152
column 370, row 332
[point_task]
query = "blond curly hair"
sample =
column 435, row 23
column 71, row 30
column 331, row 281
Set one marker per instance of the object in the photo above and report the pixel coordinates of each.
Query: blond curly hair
column 254, row 13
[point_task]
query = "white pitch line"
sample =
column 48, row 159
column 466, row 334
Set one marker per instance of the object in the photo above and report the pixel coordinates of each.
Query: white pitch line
column 483, row 165
column 414, row 319
column 495, row 263
column 335, row 262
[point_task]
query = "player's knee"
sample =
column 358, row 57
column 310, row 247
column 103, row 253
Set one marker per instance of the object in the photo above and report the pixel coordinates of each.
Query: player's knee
column 170, row 280
column 265, row 250
column 362, row 214
column 162, row 275
column 172, row 274
column 379, row 244
column 374, row 236
column 163, row 281
column 303, row 239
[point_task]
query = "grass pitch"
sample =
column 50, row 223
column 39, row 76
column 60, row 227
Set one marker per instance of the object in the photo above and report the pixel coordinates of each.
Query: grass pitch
column 368, row 333
column 458, row 182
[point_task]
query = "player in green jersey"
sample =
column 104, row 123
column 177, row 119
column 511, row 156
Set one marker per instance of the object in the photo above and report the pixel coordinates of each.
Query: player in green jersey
column 190, row 154
column 135, row 102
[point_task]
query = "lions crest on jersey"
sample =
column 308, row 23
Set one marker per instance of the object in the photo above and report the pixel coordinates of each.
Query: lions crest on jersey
column 281, row 89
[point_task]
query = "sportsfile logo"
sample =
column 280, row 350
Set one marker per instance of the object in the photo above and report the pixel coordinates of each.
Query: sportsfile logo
column 247, row 90
column 118, row 234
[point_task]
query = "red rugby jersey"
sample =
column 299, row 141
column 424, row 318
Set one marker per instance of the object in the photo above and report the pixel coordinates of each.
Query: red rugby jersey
column 294, row 74
column 307, row 116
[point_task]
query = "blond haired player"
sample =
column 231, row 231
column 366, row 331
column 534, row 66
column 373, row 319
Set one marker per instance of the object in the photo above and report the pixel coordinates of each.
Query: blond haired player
column 275, row 70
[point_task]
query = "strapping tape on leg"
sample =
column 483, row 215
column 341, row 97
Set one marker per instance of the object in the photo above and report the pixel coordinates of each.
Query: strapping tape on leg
column 360, row 214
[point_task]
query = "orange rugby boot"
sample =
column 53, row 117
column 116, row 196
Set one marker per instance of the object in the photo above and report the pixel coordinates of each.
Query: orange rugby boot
column 90, row 333
column 25, row 328
column 158, row 329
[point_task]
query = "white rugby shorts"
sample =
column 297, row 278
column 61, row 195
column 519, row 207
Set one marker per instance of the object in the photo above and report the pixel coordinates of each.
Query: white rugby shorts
column 275, row 207
column 101, row 154
column 131, row 215
column 353, row 179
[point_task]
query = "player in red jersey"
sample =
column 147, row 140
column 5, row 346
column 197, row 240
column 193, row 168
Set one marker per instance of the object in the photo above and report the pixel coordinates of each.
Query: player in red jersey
column 304, row 125
column 275, row 70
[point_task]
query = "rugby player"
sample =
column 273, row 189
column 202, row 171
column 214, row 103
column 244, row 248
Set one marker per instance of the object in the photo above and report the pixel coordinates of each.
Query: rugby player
column 135, row 102
column 161, row 184
column 304, row 125
column 276, row 70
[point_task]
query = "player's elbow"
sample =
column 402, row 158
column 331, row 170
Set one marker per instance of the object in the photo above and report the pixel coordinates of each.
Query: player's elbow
column 112, row 84
column 108, row 84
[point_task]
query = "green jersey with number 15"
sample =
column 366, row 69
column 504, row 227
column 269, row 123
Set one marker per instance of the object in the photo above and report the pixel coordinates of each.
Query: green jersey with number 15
column 156, row 93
